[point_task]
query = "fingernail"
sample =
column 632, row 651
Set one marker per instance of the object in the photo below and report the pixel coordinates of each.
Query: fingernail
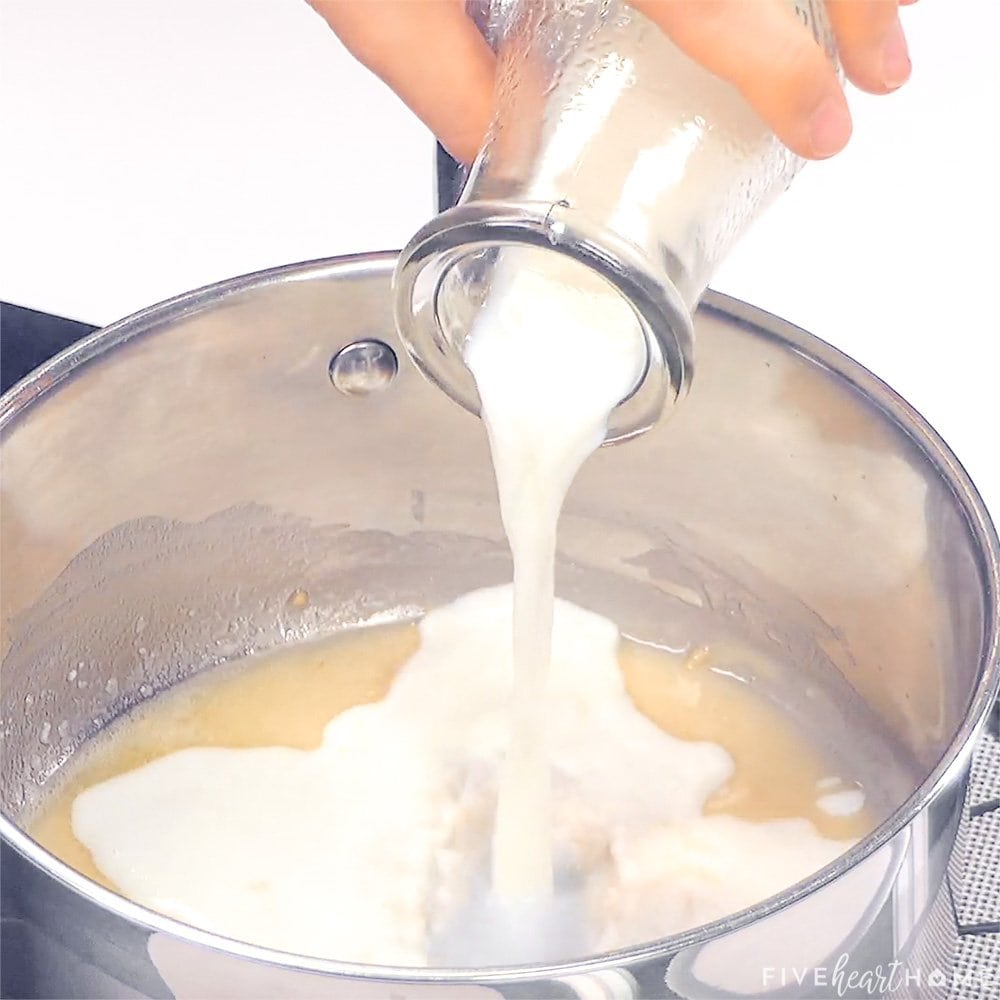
column 895, row 58
column 829, row 128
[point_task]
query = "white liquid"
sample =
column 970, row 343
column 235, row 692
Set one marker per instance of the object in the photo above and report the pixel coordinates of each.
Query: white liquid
column 553, row 351
column 374, row 847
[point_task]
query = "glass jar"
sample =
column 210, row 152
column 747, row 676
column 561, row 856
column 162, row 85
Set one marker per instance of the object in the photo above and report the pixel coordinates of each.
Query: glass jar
column 613, row 149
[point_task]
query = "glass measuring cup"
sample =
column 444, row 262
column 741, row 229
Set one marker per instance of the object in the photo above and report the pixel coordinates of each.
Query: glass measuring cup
column 611, row 148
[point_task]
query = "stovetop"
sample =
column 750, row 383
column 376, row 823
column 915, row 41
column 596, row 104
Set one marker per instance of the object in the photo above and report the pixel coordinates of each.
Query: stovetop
column 974, row 875
column 28, row 338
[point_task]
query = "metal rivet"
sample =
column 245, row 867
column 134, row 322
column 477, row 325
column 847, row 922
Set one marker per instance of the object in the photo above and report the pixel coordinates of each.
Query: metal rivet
column 363, row 367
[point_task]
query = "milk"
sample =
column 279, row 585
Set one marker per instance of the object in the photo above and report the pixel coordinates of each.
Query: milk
column 553, row 351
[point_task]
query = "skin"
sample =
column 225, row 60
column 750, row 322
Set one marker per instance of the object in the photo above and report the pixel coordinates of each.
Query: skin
column 433, row 57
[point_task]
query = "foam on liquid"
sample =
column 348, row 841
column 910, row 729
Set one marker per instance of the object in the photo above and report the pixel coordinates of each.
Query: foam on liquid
column 507, row 774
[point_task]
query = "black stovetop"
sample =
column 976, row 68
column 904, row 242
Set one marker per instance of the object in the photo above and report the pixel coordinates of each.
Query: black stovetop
column 29, row 337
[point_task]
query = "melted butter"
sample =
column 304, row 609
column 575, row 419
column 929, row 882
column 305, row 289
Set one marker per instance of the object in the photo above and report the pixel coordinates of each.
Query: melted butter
column 777, row 774
column 281, row 698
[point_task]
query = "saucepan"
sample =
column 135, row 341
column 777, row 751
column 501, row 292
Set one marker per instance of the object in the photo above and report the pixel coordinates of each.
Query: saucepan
column 169, row 481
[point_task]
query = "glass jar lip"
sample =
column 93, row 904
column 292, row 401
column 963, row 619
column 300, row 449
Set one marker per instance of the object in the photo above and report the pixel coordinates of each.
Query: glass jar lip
column 663, row 316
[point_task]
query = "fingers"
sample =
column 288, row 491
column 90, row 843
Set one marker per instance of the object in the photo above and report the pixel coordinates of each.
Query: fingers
column 870, row 41
column 433, row 56
column 773, row 61
column 430, row 54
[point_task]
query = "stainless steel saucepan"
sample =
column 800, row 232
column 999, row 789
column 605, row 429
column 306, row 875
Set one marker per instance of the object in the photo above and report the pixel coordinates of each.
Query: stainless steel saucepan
column 171, row 481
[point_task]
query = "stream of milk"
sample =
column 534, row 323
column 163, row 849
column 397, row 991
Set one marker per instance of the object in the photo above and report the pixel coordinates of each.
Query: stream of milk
column 553, row 351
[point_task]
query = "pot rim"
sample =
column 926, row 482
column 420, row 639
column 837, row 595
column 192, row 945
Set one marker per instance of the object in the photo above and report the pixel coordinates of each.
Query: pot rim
column 952, row 762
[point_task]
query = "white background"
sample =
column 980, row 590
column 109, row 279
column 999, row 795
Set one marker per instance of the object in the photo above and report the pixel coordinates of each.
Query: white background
column 151, row 146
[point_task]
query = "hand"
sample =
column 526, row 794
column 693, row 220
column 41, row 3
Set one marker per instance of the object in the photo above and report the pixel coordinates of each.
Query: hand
column 433, row 56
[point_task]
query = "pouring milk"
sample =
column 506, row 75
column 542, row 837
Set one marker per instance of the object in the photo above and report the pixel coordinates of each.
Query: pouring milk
column 553, row 351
